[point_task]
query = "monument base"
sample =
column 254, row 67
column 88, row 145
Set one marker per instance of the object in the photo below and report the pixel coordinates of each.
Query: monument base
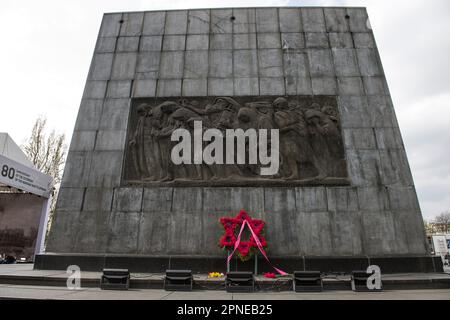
column 204, row 264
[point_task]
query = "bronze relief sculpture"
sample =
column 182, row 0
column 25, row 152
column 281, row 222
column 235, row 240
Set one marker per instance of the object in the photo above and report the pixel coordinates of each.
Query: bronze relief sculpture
column 311, row 150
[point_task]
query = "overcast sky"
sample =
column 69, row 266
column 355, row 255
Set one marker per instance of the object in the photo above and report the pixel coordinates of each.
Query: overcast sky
column 47, row 47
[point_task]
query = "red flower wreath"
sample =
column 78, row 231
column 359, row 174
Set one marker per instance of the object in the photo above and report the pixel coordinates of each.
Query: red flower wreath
column 232, row 227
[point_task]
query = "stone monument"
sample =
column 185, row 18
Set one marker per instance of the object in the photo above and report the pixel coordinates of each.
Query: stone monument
column 342, row 198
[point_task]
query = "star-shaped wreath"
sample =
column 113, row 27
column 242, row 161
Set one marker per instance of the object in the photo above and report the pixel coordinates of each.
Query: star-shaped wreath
column 232, row 227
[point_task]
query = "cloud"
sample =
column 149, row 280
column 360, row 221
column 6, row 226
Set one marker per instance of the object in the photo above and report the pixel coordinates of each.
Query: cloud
column 47, row 48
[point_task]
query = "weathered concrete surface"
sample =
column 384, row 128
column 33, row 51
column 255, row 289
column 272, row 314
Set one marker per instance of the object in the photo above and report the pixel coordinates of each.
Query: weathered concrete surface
column 264, row 51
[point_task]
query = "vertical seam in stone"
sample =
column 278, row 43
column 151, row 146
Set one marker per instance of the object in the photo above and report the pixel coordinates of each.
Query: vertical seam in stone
column 282, row 54
column 161, row 55
column 185, row 52
column 82, row 199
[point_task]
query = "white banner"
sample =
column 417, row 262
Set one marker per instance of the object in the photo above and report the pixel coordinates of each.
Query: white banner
column 17, row 175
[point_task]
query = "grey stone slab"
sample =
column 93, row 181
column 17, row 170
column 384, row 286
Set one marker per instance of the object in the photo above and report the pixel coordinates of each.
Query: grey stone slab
column 359, row 21
column 350, row 86
column 115, row 114
column 111, row 140
column 373, row 198
column 292, row 41
column 148, row 65
column 110, row 25
column 98, row 199
column 101, row 66
column 196, row 64
column 269, row 40
column 122, row 235
column 354, row 111
column 345, row 62
column 320, row 63
column 245, row 63
column 324, row 86
column 168, row 88
column 198, row 22
column 245, row 21
column 194, row 87
column 94, row 90
column 395, row 170
column 230, row 201
column 313, row 20
column 389, row 138
column 298, row 86
column 151, row 43
column 197, row 42
column 314, row 233
column 311, row 199
column 83, row 141
column 210, row 220
column 118, row 89
column 174, row 42
column 267, row 20
column 221, row 41
column 375, row 86
column 381, row 112
column 364, row 167
column 128, row 199
column 106, row 44
column 157, row 199
column 379, row 233
column 244, row 41
column 172, row 64
column 346, row 233
column 335, row 19
column 89, row 114
column 221, row 63
column 144, row 88
column 93, row 234
column 76, row 170
column 364, row 40
column 295, row 64
column 127, row 44
column 70, row 199
column 359, row 138
column 154, row 233
column 270, row 63
column 64, row 231
column 342, row 199
column 246, row 86
column 176, row 22
column 279, row 200
column 317, row 40
column 403, row 198
column 132, row 24
column 272, row 86
column 290, row 20
column 124, row 66
column 154, row 23
column 369, row 63
column 106, row 169
column 221, row 21
column 184, row 238
column 410, row 224
column 340, row 40
column 280, row 216
column 187, row 200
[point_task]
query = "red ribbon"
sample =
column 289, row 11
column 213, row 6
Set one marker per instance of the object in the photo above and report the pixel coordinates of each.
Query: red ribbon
column 258, row 243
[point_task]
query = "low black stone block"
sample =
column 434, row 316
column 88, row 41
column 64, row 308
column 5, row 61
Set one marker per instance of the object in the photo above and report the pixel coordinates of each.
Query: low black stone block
column 407, row 264
column 198, row 264
column 336, row 264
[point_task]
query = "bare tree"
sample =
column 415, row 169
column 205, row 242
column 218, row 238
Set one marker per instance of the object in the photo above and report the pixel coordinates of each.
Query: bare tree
column 47, row 152
column 442, row 222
